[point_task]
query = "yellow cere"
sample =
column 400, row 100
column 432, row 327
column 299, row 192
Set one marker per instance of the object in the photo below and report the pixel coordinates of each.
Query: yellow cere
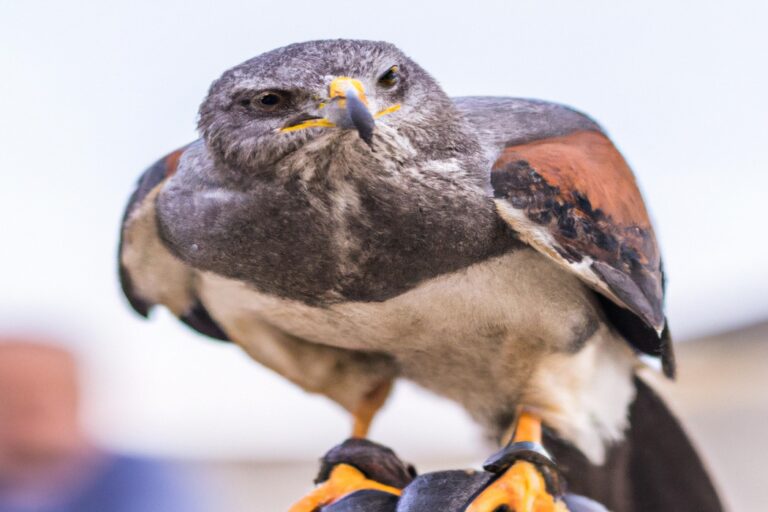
column 340, row 85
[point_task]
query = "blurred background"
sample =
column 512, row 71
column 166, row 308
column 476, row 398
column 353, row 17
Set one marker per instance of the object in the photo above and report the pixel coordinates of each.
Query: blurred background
column 93, row 92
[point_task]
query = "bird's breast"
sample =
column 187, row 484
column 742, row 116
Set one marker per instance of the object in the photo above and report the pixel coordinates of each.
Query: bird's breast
column 367, row 237
column 473, row 335
column 519, row 295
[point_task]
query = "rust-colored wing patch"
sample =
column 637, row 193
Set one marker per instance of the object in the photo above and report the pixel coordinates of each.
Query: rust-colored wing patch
column 171, row 161
column 584, row 164
column 574, row 198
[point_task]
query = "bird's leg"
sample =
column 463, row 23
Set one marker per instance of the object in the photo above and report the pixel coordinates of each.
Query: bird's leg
column 357, row 463
column 369, row 406
column 527, row 478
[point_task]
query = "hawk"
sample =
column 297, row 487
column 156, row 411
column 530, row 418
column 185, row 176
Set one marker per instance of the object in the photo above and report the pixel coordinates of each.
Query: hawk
column 347, row 223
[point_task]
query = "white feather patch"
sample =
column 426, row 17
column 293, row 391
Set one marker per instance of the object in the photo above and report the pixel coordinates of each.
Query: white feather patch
column 542, row 240
column 585, row 397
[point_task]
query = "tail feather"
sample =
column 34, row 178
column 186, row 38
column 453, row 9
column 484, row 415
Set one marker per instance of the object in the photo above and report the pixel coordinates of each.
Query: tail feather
column 666, row 471
column 655, row 468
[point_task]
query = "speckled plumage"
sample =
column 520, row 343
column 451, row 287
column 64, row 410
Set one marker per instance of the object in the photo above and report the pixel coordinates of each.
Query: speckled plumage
column 340, row 265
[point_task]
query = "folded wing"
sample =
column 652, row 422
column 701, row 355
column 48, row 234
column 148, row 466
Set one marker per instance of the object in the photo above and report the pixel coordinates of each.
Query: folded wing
column 149, row 273
column 565, row 189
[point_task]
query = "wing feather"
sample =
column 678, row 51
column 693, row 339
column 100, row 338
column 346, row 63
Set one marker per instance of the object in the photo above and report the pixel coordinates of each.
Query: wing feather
column 149, row 273
column 574, row 198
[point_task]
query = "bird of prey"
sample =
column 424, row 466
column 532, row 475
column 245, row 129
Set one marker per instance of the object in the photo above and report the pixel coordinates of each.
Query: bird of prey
column 347, row 223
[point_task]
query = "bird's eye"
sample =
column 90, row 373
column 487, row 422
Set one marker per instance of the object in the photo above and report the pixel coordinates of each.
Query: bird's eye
column 390, row 78
column 269, row 100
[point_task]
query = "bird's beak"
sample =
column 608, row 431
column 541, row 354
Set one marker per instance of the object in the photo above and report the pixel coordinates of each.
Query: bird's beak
column 346, row 107
column 349, row 95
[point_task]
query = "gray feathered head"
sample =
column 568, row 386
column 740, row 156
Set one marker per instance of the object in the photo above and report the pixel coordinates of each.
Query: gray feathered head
column 362, row 93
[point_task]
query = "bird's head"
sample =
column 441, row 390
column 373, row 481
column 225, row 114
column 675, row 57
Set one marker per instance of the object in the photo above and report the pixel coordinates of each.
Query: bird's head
column 359, row 93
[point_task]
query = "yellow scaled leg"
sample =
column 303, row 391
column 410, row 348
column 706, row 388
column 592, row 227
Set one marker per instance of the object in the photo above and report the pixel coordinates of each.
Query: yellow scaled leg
column 521, row 488
column 344, row 479
column 364, row 414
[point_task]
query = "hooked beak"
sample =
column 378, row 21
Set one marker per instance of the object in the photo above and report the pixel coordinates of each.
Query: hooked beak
column 347, row 107
column 349, row 94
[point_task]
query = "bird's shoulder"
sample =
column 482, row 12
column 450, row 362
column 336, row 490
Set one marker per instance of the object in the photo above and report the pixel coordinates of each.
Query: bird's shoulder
column 502, row 121
column 566, row 190
column 149, row 273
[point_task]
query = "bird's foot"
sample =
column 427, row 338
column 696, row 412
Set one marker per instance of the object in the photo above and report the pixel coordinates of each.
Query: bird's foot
column 343, row 480
column 521, row 488
column 528, row 480
column 355, row 465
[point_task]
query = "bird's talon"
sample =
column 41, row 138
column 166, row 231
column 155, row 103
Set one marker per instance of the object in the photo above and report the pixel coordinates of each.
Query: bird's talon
column 528, row 479
column 343, row 480
column 522, row 488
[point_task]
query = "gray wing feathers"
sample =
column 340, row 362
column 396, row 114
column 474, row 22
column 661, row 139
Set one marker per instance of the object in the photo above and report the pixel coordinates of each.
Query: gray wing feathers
column 502, row 122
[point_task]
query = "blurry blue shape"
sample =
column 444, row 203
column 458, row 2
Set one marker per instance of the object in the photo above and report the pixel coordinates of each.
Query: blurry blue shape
column 130, row 484
column 118, row 484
